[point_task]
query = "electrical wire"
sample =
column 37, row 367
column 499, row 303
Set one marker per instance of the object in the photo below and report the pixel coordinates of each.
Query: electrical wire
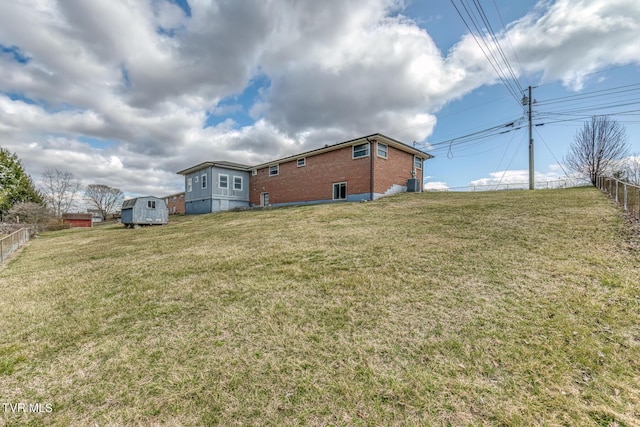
column 505, row 151
column 509, row 165
column 506, row 36
column 553, row 155
column 486, row 50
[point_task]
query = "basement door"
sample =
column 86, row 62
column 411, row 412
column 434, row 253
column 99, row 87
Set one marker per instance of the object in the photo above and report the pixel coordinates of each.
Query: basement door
column 264, row 199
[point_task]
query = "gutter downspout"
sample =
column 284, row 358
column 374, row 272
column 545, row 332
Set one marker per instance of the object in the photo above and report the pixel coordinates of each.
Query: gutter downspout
column 371, row 181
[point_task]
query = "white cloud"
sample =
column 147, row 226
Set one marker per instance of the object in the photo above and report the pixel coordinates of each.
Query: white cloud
column 572, row 38
column 519, row 179
column 436, row 186
column 144, row 77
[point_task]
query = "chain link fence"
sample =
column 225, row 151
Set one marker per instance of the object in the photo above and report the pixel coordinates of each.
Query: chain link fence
column 11, row 243
column 542, row 185
column 625, row 194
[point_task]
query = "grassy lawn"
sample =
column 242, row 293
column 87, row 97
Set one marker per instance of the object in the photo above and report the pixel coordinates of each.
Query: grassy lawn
column 506, row 308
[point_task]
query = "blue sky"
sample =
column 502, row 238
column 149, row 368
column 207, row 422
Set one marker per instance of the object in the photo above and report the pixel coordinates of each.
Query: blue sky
column 127, row 94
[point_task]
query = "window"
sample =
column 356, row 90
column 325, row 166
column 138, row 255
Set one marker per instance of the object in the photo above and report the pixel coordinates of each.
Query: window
column 151, row 204
column 302, row 162
column 274, row 170
column 417, row 162
column 196, row 179
column 223, row 181
column 383, row 150
column 340, row 191
column 189, row 185
column 237, row 183
column 204, row 181
column 361, row 150
column 254, row 172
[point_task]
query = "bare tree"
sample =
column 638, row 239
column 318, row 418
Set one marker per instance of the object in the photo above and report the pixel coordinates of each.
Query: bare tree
column 29, row 213
column 60, row 190
column 632, row 169
column 598, row 148
column 105, row 199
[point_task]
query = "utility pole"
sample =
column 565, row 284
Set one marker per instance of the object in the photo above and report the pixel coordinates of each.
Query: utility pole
column 532, row 183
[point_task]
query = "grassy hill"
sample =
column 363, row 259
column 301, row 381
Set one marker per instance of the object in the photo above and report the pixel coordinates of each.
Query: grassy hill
column 508, row 308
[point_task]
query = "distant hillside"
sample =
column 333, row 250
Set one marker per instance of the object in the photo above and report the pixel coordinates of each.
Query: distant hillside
column 504, row 308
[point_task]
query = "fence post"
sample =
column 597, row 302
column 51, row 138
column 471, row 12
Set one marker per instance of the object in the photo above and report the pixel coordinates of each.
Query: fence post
column 625, row 196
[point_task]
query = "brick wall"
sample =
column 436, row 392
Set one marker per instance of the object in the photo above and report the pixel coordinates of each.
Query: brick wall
column 314, row 181
column 395, row 169
column 175, row 203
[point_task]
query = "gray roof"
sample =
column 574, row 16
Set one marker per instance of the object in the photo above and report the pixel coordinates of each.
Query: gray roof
column 363, row 139
column 129, row 203
column 221, row 164
column 387, row 140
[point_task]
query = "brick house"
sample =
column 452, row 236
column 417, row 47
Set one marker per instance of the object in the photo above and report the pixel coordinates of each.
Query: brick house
column 365, row 168
column 175, row 203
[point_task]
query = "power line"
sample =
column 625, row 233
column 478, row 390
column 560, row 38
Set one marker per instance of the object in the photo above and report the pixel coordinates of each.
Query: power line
column 487, row 51
column 506, row 35
column 481, row 134
column 508, row 166
column 594, row 94
column 496, row 42
column 553, row 155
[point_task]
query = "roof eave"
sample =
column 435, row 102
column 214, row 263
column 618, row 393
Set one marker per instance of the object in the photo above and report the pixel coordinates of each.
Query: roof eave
column 390, row 141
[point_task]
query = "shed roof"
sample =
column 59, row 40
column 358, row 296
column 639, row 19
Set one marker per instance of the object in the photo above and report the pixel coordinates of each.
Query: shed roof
column 129, row 203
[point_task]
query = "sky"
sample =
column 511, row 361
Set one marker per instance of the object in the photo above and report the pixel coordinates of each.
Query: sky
column 128, row 92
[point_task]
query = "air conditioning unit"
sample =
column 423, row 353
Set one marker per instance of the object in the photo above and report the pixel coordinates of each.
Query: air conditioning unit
column 413, row 185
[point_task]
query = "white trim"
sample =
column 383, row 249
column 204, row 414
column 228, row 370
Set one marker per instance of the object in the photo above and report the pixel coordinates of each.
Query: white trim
column 304, row 162
column 220, row 181
column 196, row 179
column 415, row 163
column 386, row 150
column 333, row 190
column 234, row 183
column 277, row 169
column 353, row 150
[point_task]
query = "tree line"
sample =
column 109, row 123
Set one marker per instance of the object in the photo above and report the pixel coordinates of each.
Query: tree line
column 58, row 192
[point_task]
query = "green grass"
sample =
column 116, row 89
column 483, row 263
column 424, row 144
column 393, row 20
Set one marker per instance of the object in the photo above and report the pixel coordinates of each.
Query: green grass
column 506, row 309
